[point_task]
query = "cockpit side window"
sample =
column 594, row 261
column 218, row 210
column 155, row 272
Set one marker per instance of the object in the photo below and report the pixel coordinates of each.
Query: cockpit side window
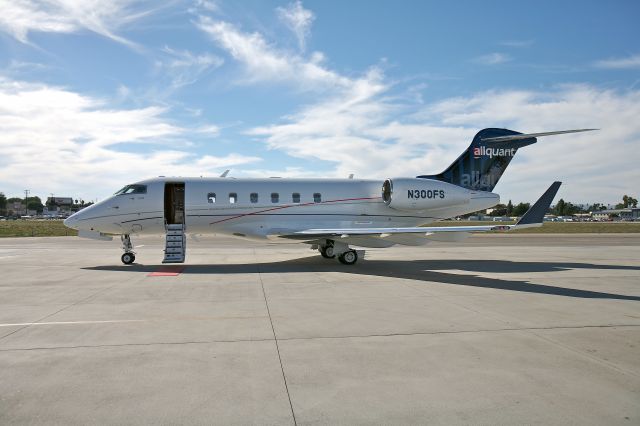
column 133, row 189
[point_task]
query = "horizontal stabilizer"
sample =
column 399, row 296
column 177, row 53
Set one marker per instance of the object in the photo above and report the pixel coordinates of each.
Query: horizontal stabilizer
column 532, row 135
column 535, row 215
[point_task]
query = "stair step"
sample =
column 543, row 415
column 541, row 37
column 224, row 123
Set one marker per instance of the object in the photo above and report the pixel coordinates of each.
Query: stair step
column 173, row 255
column 175, row 244
column 172, row 250
column 173, row 260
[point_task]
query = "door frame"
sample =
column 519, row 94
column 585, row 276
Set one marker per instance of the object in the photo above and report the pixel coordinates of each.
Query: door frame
column 174, row 202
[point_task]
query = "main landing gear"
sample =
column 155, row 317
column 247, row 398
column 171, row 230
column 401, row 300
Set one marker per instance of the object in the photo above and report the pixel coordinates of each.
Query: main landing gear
column 129, row 256
column 331, row 249
column 348, row 257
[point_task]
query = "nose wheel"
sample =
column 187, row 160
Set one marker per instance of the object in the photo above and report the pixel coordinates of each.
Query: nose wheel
column 128, row 257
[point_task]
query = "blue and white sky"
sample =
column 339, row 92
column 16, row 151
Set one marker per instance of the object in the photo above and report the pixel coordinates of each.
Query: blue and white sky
column 97, row 94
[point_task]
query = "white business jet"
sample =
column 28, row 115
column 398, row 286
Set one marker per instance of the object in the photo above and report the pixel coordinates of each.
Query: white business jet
column 330, row 215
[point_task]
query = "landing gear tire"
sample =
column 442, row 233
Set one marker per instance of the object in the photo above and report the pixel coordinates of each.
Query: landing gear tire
column 128, row 258
column 327, row 252
column 348, row 257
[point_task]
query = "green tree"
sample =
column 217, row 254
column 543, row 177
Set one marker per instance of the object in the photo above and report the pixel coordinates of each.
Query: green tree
column 498, row 210
column 627, row 201
column 570, row 209
column 560, row 207
column 596, row 207
column 35, row 203
column 3, row 204
column 521, row 209
column 509, row 211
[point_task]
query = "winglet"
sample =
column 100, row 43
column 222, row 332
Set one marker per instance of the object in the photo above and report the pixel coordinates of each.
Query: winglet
column 535, row 215
column 225, row 173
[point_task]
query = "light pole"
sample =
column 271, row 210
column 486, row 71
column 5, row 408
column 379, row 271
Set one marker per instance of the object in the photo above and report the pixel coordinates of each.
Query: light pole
column 26, row 201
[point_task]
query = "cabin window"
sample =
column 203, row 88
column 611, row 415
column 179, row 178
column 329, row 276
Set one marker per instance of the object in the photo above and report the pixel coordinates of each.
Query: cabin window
column 133, row 189
column 295, row 197
column 253, row 197
column 317, row 197
column 275, row 197
column 211, row 197
column 233, row 198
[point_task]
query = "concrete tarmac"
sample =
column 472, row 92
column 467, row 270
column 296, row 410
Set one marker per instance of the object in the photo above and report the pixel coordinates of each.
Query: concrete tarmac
column 503, row 329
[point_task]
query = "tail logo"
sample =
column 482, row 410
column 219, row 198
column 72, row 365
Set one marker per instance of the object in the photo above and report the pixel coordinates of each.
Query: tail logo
column 484, row 151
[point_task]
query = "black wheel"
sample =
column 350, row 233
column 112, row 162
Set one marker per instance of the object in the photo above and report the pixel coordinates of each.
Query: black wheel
column 128, row 258
column 348, row 257
column 327, row 252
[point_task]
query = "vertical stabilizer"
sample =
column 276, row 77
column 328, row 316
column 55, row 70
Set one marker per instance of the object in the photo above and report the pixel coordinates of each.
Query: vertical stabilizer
column 483, row 163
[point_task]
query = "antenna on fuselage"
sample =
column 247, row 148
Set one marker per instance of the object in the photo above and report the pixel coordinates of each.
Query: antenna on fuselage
column 225, row 173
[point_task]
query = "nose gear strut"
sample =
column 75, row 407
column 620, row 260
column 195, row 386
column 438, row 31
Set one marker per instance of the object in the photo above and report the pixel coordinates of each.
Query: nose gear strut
column 129, row 256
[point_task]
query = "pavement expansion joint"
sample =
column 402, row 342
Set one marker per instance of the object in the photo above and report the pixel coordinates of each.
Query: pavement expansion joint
column 275, row 338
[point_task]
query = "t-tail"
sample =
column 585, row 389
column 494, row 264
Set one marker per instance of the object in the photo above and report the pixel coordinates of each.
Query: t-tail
column 483, row 163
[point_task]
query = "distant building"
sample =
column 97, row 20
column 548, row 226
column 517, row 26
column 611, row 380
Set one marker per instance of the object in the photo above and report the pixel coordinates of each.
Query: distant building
column 60, row 201
column 602, row 214
column 631, row 213
column 17, row 207
column 58, row 206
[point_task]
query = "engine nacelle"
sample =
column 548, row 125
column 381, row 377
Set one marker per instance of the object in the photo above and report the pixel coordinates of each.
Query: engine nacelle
column 422, row 194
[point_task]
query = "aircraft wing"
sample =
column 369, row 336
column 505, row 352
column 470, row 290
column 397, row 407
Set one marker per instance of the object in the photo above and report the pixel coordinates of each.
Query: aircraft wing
column 532, row 218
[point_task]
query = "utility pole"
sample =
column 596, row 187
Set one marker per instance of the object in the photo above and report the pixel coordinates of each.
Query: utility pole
column 26, row 201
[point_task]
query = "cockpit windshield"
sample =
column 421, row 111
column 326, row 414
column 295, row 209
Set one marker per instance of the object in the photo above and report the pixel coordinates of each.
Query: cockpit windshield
column 133, row 189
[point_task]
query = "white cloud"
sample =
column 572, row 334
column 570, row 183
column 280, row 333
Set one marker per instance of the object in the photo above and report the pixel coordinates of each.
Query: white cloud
column 598, row 165
column 82, row 147
column 265, row 62
column 630, row 62
column 185, row 67
column 209, row 129
column 363, row 138
column 208, row 5
column 298, row 19
column 20, row 17
column 492, row 59
column 360, row 126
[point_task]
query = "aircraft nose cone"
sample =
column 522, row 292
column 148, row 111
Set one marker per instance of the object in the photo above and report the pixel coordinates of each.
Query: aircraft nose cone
column 71, row 221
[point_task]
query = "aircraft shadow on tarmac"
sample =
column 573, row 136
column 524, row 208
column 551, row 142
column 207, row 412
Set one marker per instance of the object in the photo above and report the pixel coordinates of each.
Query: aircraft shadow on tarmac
column 418, row 270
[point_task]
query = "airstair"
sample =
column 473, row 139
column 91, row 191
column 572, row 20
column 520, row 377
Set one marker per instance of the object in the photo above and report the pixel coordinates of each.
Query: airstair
column 176, row 244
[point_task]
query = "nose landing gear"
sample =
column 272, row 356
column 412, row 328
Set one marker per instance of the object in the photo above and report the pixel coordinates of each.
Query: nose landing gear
column 129, row 256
